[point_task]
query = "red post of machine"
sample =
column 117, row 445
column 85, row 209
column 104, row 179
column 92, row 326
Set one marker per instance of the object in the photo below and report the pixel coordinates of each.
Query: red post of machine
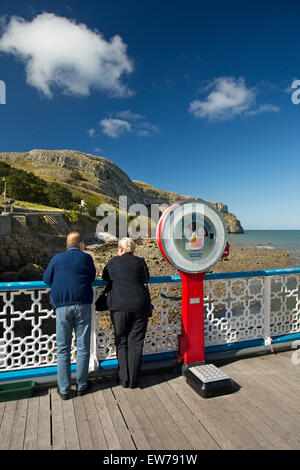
column 191, row 340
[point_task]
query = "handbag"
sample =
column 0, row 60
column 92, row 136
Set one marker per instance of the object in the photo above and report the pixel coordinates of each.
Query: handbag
column 101, row 303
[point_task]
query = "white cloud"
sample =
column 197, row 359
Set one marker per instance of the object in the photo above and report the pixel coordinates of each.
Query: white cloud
column 131, row 122
column 114, row 127
column 128, row 115
column 145, row 129
column 263, row 108
column 58, row 52
column 91, row 132
column 230, row 97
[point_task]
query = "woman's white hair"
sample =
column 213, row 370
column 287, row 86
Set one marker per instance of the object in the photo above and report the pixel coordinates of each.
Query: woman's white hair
column 127, row 244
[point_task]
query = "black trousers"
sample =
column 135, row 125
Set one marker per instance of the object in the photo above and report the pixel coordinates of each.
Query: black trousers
column 130, row 330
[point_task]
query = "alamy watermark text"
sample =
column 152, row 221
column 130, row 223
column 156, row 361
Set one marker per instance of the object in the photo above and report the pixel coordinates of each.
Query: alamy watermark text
column 2, row 92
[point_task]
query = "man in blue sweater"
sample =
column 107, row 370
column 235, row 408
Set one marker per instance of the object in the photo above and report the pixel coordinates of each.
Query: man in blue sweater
column 70, row 275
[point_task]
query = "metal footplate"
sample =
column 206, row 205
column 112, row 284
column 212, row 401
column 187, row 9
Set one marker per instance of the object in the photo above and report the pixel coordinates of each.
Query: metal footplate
column 207, row 380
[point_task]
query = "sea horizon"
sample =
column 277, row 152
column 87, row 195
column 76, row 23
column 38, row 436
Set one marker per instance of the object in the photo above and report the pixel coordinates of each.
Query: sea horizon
column 288, row 240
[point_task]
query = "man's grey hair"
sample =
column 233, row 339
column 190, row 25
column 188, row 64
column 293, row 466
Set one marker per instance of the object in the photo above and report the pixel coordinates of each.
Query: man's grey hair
column 127, row 244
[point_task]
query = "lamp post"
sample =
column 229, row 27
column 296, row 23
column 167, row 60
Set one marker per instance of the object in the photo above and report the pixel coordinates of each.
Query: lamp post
column 4, row 195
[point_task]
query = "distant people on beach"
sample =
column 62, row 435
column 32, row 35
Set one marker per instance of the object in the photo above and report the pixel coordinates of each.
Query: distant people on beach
column 225, row 252
column 70, row 275
column 130, row 307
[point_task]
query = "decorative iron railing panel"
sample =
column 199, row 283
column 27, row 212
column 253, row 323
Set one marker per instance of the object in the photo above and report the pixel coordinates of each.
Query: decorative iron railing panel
column 162, row 332
column 285, row 305
column 237, row 307
column 233, row 310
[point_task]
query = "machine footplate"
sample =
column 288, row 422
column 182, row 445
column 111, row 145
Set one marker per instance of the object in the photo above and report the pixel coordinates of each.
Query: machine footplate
column 208, row 381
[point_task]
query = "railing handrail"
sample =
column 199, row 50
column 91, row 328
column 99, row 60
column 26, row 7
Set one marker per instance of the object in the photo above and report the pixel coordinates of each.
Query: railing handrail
column 6, row 286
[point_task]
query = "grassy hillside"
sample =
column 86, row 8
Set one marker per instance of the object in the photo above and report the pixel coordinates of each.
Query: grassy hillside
column 97, row 180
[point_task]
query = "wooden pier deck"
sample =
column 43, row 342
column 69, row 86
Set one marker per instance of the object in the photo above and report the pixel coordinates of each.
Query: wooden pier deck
column 165, row 413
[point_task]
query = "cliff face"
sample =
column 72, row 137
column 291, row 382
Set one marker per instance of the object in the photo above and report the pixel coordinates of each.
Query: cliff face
column 99, row 178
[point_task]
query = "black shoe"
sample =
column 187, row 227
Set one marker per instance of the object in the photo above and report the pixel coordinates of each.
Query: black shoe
column 123, row 383
column 80, row 393
column 64, row 396
column 135, row 385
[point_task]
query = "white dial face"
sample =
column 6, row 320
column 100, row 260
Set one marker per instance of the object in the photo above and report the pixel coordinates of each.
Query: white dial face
column 192, row 235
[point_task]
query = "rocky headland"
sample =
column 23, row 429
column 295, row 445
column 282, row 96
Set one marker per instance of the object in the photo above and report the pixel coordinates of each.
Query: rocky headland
column 24, row 256
column 97, row 177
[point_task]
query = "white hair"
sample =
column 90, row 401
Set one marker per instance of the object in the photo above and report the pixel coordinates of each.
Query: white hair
column 127, row 244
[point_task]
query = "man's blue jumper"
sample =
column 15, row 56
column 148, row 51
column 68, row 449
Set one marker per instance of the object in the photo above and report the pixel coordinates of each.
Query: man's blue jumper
column 70, row 275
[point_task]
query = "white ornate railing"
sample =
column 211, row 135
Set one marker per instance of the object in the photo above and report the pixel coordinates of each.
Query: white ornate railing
column 252, row 307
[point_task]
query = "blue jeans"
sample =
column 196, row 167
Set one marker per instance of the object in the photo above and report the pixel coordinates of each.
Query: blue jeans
column 67, row 318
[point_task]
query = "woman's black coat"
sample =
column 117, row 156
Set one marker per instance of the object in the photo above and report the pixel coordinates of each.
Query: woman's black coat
column 128, row 274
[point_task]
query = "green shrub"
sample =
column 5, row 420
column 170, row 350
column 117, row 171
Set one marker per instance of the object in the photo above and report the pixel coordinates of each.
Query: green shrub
column 71, row 216
column 59, row 196
column 76, row 175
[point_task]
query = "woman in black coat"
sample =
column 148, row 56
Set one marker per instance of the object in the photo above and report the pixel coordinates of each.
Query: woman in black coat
column 129, row 304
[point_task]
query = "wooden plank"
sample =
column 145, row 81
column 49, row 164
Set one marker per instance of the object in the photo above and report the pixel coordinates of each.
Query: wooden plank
column 83, row 429
column 18, row 432
column 177, row 438
column 290, row 371
column 44, row 421
column 273, row 381
column 143, row 421
column 7, row 424
column 285, row 390
column 153, row 419
column 97, row 433
column 31, row 431
column 284, row 405
column 207, row 420
column 58, row 427
column 264, row 426
column 219, row 417
column 193, row 430
column 272, row 412
column 284, row 369
column 71, row 434
column 153, row 410
column 2, row 408
column 119, row 424
column 111, row 436
column 286, row 360
column 135, row 430
column 219, row 427
column 264, row 431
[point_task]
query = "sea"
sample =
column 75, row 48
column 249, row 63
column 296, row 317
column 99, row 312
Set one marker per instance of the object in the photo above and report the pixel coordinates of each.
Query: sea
column 287, row 240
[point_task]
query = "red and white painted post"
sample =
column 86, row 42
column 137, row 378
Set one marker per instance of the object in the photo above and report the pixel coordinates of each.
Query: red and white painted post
column 192, row 253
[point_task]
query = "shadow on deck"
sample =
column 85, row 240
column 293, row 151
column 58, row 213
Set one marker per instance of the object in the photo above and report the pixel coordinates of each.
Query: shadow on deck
column 165, row 413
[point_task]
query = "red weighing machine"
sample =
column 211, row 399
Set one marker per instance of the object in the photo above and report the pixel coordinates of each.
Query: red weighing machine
column 191, row 235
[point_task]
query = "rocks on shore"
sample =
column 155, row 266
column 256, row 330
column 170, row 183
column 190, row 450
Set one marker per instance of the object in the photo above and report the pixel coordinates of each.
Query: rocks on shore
column 240, row 258
column 25, row 257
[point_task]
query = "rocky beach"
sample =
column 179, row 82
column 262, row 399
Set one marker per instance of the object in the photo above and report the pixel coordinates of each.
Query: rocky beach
column 239, row 259
column 24, row 257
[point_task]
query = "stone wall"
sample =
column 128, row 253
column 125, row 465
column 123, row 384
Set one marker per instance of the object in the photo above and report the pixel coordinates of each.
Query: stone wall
column 5, row 224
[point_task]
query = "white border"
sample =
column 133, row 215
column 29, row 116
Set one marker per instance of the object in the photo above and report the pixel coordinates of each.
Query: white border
column 179, row 210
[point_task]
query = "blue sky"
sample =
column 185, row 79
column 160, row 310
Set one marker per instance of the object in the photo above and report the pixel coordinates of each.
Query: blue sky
column 192, row 97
